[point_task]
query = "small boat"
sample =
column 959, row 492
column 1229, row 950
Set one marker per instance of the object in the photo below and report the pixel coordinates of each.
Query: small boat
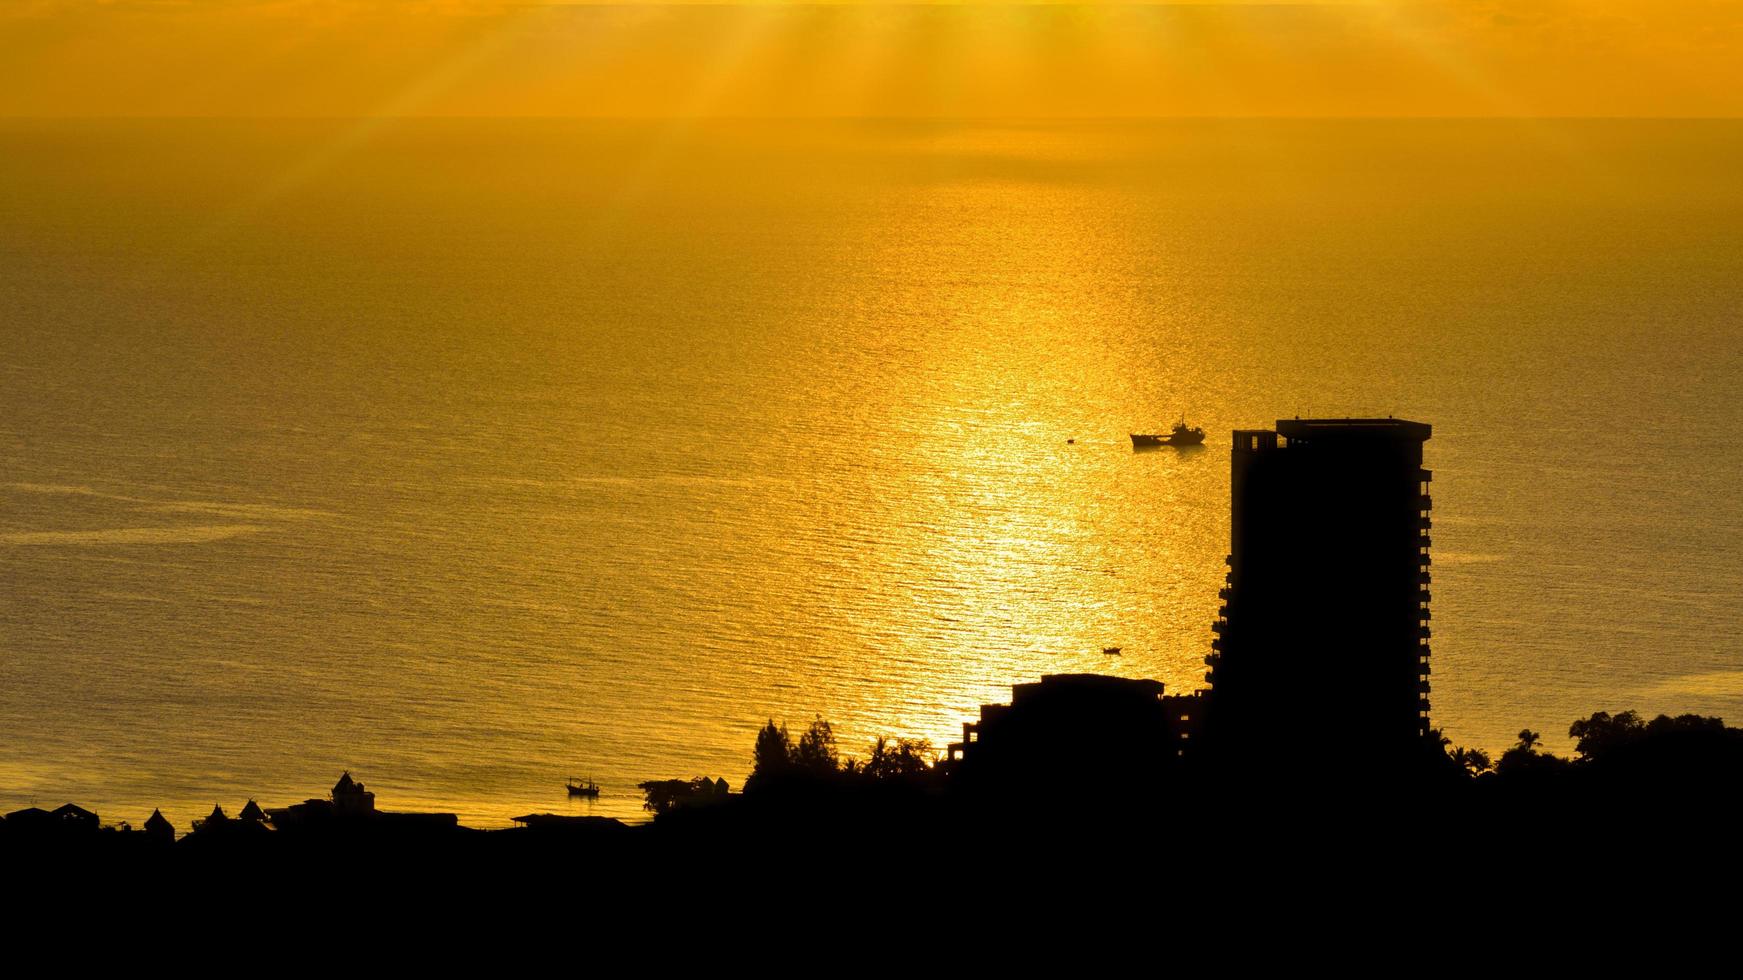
column 1111, row 651
column 588, row 788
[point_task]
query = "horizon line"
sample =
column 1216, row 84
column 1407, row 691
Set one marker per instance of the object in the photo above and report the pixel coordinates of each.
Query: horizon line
column 1207, row 117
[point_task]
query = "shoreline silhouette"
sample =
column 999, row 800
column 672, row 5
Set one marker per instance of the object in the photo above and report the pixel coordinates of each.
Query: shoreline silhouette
column 1329, row 553
column 1639, row 796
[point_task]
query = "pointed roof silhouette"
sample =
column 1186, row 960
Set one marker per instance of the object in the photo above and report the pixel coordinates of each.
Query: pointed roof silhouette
column 74, row 811
column 251, row 812
column 156, row 823
column 345, row 784
column 217, row 813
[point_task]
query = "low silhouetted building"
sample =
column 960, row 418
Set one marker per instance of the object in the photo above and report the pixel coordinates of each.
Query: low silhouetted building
column 76, row 818
column 350, row 805
column 569, row 824
column 214, row 822
column 252, row 820
column 30, row 820
column 350, row 798
column 1075, row 728
column 159, row 828
column 64, row 820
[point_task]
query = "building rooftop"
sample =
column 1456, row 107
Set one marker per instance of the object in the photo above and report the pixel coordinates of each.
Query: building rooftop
column 1323, row 428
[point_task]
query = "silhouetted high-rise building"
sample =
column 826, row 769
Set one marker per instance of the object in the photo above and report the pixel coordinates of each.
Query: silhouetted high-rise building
column 1322, row 645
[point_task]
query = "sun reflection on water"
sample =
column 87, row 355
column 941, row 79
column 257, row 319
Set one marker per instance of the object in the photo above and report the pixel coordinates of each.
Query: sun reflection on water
column 539, row 493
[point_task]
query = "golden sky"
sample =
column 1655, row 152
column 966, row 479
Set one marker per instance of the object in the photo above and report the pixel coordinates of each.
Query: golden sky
column 1212, row 58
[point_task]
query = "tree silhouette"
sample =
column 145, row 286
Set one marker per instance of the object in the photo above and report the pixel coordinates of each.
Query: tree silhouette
column 1604, row 737
column 666, row 795
column 1474, row 761
column 1601, row 733
column 816, row 752
column 773, row 754
column 902, row 759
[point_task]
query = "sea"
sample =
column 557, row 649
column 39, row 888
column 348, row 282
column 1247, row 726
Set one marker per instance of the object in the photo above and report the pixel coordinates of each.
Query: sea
column 471, row 455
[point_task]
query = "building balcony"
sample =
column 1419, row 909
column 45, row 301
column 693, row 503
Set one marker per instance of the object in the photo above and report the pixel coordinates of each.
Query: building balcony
column 1424, row 614
column 1211, row 659
column 1423, row 669
column 1422, row 705
column 1210, row 677
column 1219, row 626
column 1424, row 542
column 1424, row 596
column 1424, row 559
column 1423, row 631
column 1422, row 685
column 1424, row 522
column 1424, row 578
column 1426, row 503
column 1225, row 594
column 1216, row 643
column 1425, row 476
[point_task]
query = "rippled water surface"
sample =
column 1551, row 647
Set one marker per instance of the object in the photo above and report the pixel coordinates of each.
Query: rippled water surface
column 469, row 456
